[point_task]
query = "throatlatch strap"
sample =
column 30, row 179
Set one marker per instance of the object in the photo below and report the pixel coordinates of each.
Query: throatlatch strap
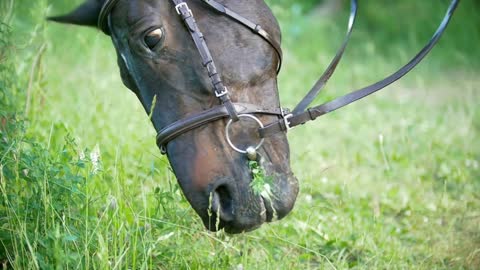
column 311, row 114
column 220, row 91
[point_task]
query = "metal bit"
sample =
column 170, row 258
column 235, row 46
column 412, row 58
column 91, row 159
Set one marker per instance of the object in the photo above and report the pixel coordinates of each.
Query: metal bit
column 252, row 153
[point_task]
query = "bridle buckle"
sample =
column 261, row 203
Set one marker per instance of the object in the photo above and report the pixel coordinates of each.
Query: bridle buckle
column 183, row 4
column 221, row 93
column 287, row 115
column 287, row 123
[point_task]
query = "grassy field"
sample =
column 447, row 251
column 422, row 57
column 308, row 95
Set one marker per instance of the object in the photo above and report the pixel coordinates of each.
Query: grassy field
column 391, row 182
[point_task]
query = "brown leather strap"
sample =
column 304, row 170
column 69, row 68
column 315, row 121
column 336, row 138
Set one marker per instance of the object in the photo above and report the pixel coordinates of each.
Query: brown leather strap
column 311, row 114
column 313, row 93
column 256, row 28
column 187, row 124
column 220, row 90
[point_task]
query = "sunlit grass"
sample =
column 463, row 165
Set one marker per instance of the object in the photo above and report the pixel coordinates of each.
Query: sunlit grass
column 389, row 182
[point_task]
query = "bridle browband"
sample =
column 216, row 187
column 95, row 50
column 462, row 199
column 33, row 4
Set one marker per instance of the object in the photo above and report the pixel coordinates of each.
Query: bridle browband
column 286, row 120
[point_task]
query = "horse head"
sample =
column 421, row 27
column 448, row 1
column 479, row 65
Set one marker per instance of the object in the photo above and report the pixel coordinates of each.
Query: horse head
column 160, row 63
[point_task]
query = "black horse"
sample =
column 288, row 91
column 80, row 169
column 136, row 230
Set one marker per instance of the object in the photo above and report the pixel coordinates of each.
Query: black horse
column 159, row 62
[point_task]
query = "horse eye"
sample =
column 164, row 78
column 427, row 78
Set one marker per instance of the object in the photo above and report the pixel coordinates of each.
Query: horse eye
column 153, row 38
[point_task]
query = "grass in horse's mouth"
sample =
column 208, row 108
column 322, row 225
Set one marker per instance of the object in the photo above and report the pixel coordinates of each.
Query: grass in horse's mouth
column 210, row 213
column 261, row 182
column 262, row 185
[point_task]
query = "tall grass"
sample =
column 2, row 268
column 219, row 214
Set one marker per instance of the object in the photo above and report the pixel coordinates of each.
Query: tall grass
column 390, row 182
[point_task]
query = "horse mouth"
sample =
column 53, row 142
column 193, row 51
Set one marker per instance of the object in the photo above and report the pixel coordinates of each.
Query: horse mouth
column 266, row 213
column 232, row 213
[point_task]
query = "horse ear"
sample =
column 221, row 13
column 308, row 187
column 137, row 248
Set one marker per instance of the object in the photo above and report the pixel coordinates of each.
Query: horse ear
column 86, row 14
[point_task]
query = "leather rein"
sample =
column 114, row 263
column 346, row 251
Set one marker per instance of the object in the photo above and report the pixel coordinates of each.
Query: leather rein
column 286, row 120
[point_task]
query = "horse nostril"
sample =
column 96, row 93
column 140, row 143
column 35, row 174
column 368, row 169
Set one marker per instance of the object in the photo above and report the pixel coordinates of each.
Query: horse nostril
column 222, row 204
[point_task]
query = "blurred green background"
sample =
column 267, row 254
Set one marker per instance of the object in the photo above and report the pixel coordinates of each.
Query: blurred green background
column 391, row 182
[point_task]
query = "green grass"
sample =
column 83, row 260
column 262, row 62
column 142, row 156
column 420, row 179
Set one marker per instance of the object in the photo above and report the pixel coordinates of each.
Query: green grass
column 390, row 182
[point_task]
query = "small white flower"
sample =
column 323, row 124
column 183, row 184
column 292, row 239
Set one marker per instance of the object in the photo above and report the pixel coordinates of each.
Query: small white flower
column 432, row 207
column 113, row 204
column 471, row 164
column 81, row 155
column 302, row 225
column 95, row 158
column 165, row 237
column 380, row 138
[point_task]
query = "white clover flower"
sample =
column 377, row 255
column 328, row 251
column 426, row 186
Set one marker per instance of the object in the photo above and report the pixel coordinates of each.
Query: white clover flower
column 81, row 155
column 95, row 159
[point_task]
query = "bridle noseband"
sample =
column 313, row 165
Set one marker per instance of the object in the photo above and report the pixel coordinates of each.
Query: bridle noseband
column 286, row 120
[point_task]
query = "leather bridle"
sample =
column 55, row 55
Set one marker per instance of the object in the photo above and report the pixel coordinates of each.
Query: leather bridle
column 286, row 120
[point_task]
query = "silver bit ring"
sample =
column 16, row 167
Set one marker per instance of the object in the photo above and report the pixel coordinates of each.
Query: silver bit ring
column 227, row 133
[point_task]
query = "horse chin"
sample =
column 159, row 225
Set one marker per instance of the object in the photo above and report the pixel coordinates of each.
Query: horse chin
column 215, row 223
column 238, row 226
